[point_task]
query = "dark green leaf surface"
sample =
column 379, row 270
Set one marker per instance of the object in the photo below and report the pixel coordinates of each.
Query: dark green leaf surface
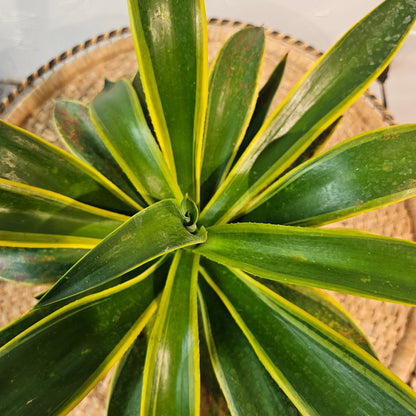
column 315, row 147
column 213, row 402
column 118, row 117
column 367, row 172
column 73, row 122
column 49, row 367
column 321, row 372
column 152, row 232
column 37, row 266
column 170, row 40
column 231, row 100
column 264, row 101
column 171, row 381
column 158, row 269
column 336, row 80
column 246, row 384
column 138, row 87
column 323, row 307
column 349, row 262
column 34, row 210
column 30, row 160
column 126, row 388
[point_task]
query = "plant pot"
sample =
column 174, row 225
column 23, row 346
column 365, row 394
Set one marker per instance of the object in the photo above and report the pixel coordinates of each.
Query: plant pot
column 79, row 74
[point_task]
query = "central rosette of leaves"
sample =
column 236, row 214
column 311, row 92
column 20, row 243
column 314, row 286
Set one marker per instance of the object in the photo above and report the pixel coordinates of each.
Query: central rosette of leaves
column 190, row 213
column 229, row 290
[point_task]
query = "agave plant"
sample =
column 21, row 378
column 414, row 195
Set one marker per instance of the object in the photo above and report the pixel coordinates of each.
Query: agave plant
column 181, row 233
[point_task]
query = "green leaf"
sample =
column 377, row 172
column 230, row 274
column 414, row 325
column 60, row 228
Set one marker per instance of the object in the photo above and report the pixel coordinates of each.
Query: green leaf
column 155, row 231
column 171, row 381
column 171, row 47
column 35, row 210
column 39, row 258
column 372, row 170
column 350, row 262
column 232, row 93
column 118, row 117
column 315, row 147
column 138, row 87
column 37, row 266
column 323, row 307
column 72, row 349
column 334, row 82
column 308, row 360
column 73, row 122
column 264, row 101
column 157, row 269
column 213, row 402
column 234, row 359
column 29, row 160
column 126, row 387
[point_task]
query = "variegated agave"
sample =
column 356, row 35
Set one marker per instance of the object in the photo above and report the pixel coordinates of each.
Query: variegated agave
column 190, row 227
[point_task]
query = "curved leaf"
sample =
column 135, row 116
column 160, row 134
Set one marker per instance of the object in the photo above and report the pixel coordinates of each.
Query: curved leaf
column 233, row 359
column 171, row 381
column 29, row 160
column 157, row 269
column 315, row 147
column 231, row 100
column 307, row 359
column 350, row 262
column 71, row 349
column 152, row 232
column 138, row 87
column 126, row 387
column 73, row 122
column 334, row 82
column 323, row 307
column 35, row 210
column 171, row 47
column 118, row 117
column 264, row 101
column 372, row 170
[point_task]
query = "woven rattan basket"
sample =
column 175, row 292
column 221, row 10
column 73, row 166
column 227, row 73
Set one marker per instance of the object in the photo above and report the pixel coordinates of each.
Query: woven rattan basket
column 79, row 74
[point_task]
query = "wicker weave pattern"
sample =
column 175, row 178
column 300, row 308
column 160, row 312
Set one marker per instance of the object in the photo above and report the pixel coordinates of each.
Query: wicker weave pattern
column 391, row 328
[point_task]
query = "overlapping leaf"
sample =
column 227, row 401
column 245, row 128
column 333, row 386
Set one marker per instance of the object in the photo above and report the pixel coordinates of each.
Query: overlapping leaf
column 171, row 381
column 118, row 117
column 68, row 352
column 154, row 231
column 307, row 360
column 335, row 81
column 126, row 388
column 73, row 122
column 171, row 47
column 39, row 258
column 34, row 210
column 263, row 104
column 29, row 160
column 323, row 307
column 364, row 173
column 157, row 270
column 232, row 94
column 346, row 261
column 245, row 382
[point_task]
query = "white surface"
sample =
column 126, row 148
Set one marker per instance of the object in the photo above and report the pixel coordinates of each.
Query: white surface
column 34, row 31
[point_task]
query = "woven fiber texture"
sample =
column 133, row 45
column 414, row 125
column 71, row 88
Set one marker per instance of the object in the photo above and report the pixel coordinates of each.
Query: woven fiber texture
column 391, row 328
